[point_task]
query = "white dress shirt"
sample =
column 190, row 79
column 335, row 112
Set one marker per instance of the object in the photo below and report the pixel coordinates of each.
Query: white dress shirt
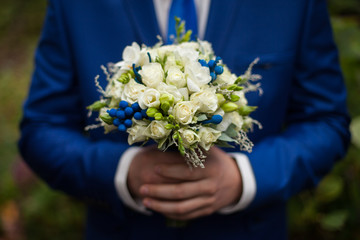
column 162, row 8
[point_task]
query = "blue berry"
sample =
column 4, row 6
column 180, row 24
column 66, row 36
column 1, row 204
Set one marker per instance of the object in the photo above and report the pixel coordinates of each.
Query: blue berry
column 203, row 63
column 212, row 64
column 116, row 122
column 213, row 76
column 128, row 123
column 123, row 104
column 129, row 111
column 135, row 106
column 218, row 70
column 143, row 113
column 138, row 116
column 120, row 114
column 216, row 119
column 122, row 128
column 217, row 60
column 112, row 112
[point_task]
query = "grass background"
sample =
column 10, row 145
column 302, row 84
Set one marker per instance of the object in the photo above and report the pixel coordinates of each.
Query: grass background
column 30, row 210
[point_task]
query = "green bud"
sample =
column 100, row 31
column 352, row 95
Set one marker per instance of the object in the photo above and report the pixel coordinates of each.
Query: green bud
column 166, row 97
column 229, row 107
column 165, row 107
column 96, row 106
column 171, row 118
column 181, row 149
column 124, row 78
column 158, row 116
column 105, row 117
column 246, row 110
column 234, row 98
column 234, row 87
column 151, row 111
column 169, row 126
column 221, row 98
column 239, row 80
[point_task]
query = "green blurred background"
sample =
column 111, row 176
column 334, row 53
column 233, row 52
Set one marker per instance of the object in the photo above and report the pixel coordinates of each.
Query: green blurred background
column 30, row 210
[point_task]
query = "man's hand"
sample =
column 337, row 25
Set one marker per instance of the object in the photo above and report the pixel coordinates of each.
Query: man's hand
column 142, row 168
column 197, row 192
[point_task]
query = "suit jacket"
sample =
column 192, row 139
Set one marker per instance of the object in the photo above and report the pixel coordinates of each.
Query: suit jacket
column 302, row 110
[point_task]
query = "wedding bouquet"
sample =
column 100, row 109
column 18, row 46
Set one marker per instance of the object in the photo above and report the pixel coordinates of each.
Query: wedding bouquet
column 178, row 95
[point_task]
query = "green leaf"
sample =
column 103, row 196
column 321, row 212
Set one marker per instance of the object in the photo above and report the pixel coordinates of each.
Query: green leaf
column 231, row 131
column 202, row 117
column 224, row 137
column 223, row 144
column 334, row 220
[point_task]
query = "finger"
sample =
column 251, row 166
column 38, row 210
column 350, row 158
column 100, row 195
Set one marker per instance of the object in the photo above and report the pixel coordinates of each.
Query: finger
column 179, row 171
column 202, row 212
column 178, row 208
column 178, row 191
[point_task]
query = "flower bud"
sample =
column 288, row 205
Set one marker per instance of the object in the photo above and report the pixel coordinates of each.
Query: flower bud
column 246, row 110
column 234, row 98
column 167, row 98
column 158, row 116
column 105, row 117
column 96, row 106
column 165, row 107
column 229, row 107
column 151, row 112
column 221, row 98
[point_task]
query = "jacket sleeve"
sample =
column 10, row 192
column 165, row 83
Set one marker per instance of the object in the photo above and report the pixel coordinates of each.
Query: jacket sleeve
column 52, row 141
column 316, row 133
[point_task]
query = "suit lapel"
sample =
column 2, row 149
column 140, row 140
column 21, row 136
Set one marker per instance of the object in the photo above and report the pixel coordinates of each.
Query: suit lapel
column 142, row 15
column 221, row 17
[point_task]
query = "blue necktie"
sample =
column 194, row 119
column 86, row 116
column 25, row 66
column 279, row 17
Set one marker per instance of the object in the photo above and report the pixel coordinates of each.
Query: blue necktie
column 184, row 9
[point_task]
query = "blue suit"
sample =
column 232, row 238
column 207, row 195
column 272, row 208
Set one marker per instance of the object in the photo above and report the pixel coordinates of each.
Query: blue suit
column 302, row 110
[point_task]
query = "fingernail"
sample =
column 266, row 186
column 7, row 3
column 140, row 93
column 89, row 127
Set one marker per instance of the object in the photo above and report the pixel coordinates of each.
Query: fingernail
column 144, row 190
column 147, row 203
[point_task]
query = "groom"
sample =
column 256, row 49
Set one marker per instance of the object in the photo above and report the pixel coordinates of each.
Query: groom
column 132, row 190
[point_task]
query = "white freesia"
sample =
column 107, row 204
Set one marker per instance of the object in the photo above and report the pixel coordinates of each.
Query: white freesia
column 152, row 74
column 115, row 90
column 207, row 137
column 157, row 130
column 136, row 133
column 206, row 99
column 206, row 50
column 188, row 136
column 165, row 50
column 226, row 77
column 170, row 62
column 131, row 54
column 176, row 77
column 132, row 91
column 197, row 76
column 149, row 98
column 170, row 89
column 184, row 112
column 186, row 55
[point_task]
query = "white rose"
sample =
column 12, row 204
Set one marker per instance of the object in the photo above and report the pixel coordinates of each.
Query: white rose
column 189, row 137
column 131, row 54
column 170, row 89
column 157, row 130
column 184, row 112
column 206, row 99
column 207, row 137
column 192, row 45
column 170, row 62
column 149, row 98
column 197, row 76
column 132, row 91
column 136, row 133
column 176, row 77
column 152, row 74
column 186, row 55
